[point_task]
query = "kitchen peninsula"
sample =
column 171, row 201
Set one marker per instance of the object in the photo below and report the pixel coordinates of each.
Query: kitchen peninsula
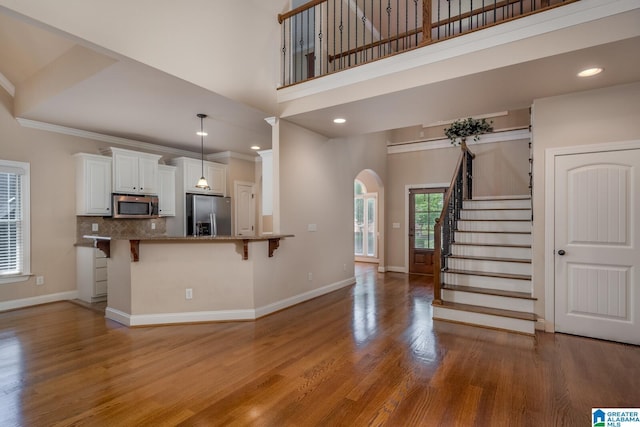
column 163, row 280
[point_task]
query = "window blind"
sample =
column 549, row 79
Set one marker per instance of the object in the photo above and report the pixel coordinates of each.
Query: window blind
column 11, row 221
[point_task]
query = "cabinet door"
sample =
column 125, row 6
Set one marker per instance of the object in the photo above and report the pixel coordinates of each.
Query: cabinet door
column 167, row 190
column 148, row 175
column 217, row 177
column 98, row 187
column 192, row 173
column 125, row 173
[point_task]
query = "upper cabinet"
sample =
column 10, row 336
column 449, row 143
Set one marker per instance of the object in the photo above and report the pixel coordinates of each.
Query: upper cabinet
column 93, row 185
column 134, row 172
column 167, row 190
column 190, row 170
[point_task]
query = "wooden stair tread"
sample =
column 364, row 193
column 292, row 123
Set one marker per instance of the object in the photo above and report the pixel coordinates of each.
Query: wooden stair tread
column 496, row 209
column 497, row 199
column 495, row 232
column 486, row 274
column 483, row 258
column 495, row 220
column 497, row 245
column 484, row 291
column 489, row 311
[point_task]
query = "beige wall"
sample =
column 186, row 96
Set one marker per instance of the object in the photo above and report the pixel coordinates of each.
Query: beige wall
column 316, row 187
column 53, row 221
column 590, row 117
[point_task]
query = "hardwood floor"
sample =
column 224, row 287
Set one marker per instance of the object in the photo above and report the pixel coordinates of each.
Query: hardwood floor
column 365, row 355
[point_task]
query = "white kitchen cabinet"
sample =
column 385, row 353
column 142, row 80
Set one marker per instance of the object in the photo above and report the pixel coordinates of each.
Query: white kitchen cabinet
column 190, row 170
column 93, row 185
column 167, row 190
column 91, row 274
column 134, row 172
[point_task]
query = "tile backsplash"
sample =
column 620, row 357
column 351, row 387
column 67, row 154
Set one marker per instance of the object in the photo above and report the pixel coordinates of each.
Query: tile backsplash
column 118, row 227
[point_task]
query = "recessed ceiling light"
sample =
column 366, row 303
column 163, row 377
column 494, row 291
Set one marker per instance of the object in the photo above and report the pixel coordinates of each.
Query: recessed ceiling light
column 255, row 147
column 339, row 120
column 201, row 133
column 590, row 72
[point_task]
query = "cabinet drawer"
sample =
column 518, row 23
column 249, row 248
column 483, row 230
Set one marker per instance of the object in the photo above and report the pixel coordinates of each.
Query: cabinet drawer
column 101, row 274
column 101, row 288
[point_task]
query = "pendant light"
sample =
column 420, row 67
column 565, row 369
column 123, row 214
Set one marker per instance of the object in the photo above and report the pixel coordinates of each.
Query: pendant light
column 202, row 182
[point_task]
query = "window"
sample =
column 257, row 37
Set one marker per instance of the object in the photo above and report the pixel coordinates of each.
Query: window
column 364, row 221
column 14, row 222
column 428, row 207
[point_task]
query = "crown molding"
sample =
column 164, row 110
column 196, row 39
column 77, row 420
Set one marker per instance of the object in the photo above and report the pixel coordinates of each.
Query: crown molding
column 7, row 85
column 230, row 155
column 433, row 144
column 145, row 146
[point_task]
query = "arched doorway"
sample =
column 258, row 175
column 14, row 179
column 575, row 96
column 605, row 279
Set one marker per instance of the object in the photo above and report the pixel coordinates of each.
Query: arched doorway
column 368, row 218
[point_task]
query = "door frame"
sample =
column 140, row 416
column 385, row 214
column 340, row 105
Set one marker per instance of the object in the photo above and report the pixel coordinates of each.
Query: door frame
column 550, row 211
column 405, row 238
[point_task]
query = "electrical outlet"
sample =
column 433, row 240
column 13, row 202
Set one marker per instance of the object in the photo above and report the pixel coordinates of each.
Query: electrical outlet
column 188, row 294
column 153, row 225
column 94, row 227
column 310, row 276
column 39, row 280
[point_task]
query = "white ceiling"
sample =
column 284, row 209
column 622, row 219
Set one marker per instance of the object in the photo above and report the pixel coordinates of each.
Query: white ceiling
column 130, row 100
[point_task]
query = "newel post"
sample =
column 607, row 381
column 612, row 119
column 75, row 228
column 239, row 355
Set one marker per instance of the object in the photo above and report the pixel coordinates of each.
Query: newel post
column 426, row 21
column 437, row 261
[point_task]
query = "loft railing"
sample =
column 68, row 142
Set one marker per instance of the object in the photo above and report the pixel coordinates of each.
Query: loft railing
column 325, row 36
column 447, row 224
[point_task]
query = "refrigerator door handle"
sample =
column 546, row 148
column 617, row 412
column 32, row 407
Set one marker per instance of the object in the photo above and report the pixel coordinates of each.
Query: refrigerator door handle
column 214, row 225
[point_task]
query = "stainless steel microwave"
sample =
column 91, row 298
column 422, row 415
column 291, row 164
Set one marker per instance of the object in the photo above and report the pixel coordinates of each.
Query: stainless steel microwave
column 130, row 206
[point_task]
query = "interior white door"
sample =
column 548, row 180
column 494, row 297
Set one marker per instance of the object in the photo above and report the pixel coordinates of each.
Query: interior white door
column 245, row 209
column 597, row 239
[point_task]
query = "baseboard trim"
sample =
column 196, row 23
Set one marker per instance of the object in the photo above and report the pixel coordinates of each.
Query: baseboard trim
column 297, row 299
column 220, row 315
column 396, row 269
column 381, row 269
column 41, row 299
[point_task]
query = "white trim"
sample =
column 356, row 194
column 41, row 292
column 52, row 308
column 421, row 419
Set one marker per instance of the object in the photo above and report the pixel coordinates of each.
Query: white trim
column 552, row 20
column 433, row 144
column 549, row 214
column 221, row 315
column 371, row 260
column 406, row 218
column 49, row 127
column 297, row 299
column 7, row 85
column 381, row 269
column 14, row 278
column 396, row 269
column 42, row 299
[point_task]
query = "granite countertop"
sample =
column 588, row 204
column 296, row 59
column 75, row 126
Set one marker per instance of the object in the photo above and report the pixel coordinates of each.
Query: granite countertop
column 184, row 238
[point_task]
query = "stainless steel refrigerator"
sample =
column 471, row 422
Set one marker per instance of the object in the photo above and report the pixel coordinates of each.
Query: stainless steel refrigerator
column 208, row 215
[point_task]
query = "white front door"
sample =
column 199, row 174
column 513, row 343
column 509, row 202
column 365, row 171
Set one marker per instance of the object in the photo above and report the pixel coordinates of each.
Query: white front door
column 597, row 245
column 245, row 209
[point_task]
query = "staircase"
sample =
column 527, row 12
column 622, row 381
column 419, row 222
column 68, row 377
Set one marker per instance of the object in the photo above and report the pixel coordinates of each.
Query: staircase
column 487, row 279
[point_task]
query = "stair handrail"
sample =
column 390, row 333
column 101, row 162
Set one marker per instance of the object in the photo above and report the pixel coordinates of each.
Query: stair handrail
column 446, row 224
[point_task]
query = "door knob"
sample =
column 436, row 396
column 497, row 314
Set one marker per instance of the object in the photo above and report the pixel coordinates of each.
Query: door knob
column 561, row 252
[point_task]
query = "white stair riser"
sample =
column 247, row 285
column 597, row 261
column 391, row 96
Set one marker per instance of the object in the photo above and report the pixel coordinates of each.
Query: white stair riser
column 486, row 320
column 491, row 251
column 496, row 214
column 485, row 282
column 494, row 238
column 501, row 226
column 497, row 204
column 484, row 300
column 503, row 267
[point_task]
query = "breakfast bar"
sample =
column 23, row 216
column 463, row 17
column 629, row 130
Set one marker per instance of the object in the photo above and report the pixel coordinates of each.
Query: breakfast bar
column 166, row 280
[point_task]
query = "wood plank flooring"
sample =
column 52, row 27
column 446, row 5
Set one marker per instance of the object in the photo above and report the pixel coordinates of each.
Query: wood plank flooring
column 365, row 355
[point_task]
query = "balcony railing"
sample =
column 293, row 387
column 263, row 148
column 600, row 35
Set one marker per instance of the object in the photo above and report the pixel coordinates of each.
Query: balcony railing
column 326, row 36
